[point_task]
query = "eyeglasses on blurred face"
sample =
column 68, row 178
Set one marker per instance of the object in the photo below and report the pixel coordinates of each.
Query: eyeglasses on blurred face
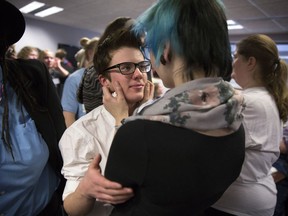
column 127, row 68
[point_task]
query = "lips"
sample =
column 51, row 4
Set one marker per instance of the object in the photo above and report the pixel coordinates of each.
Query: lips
column 138, row 86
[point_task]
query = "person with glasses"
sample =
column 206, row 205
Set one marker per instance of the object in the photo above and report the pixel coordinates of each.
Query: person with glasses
column 118, row 60
column 182, row 151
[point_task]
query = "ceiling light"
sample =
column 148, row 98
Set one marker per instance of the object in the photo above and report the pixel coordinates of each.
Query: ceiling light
column 49, row 11
column 231, row 22
column 233, row 27
column 31, row 7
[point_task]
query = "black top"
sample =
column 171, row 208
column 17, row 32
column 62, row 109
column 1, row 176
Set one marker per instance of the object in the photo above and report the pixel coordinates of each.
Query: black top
column 173, row 171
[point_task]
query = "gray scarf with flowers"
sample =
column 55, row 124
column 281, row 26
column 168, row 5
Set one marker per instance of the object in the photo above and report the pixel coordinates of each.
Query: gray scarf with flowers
column 209, row 105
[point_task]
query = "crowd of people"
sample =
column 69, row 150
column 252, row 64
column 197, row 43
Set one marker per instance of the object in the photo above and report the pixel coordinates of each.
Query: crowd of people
column 147, row 122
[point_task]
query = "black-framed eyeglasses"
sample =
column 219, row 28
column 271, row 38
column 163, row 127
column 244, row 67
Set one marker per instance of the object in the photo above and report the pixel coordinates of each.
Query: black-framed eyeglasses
column 127, row 68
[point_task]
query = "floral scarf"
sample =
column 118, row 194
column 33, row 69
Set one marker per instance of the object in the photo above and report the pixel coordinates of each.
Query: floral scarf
column 209, row 105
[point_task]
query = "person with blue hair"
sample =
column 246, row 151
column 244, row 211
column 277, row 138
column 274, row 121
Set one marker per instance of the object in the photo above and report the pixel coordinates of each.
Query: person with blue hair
column 180, row 152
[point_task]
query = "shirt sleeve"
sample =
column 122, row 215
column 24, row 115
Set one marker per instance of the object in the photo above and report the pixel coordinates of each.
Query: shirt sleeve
column 69, row 101
column 127, row 159
column 77, row 152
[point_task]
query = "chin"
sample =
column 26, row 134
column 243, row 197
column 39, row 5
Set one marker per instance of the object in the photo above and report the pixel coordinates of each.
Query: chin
column 135, row 99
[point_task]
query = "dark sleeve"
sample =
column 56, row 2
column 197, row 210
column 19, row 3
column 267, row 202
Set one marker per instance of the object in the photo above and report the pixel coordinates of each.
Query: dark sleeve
column 53, row 104
column 53, row 125
column 45, row 93
column 127, row 159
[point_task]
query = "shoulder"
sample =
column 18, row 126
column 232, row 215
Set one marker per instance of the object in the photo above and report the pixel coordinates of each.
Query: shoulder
column 259, row 101
column 93, row 119
column 32, row 68
column 77, row 75
column 31, row 64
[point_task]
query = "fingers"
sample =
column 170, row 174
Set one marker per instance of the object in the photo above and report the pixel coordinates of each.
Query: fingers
column 118, row 90
column 106, row 93
column 148, row 91
column 96, row 161
column 116, row 197
column 107, row 186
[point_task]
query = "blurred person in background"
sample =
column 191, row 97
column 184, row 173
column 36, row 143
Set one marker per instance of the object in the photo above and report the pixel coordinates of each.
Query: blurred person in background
column 11, row 52
column 57, row 72
column 280, row 176
column 72, row 109
column 65, row 63
column 28, row 52
column 262, row 75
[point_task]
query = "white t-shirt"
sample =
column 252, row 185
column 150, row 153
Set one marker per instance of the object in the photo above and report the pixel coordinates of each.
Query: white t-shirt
column 89, row 135
column 254, row 191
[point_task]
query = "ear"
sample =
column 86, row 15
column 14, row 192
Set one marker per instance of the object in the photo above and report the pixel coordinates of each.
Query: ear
column 251, row 62
column 167, row 52
column 104, row 81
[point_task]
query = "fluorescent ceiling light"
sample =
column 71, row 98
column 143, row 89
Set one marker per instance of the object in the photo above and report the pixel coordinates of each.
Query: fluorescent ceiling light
column 231, row 22
column 232, row 27
column 49, row 11
column 31, row 7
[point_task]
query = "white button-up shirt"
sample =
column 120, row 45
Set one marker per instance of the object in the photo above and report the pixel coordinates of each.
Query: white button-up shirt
column 89, row 135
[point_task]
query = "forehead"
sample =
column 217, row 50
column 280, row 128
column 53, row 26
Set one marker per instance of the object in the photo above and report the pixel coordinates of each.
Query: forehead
column 49, row 54
column 126, row 54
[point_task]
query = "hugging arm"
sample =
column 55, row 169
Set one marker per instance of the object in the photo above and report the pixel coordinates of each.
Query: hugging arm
column 94, row 187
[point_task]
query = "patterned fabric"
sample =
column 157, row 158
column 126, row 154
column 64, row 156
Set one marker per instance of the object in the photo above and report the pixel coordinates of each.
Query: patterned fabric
column 90, row 90
column 205, row 105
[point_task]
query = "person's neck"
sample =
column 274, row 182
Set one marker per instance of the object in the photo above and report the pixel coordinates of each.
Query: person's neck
column 252, row 85
column 178, row 68
column 132, row 107
column 179, row 79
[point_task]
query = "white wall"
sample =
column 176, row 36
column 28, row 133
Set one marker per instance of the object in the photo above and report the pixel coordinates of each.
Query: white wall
column 45, row 35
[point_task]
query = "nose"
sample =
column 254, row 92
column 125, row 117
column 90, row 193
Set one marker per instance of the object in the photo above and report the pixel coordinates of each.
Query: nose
column 137, row 73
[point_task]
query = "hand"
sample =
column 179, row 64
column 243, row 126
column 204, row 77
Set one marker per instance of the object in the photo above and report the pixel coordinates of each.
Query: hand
column 283, row 149
column 57, row 62
column 96, row 186
column 57, row 65
column 116, row 105
column 278, row 176
column 148, row 92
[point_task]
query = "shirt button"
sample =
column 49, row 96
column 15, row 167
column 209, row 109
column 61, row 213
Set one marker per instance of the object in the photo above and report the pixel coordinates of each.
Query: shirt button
column 2, row 193
column 1, row 214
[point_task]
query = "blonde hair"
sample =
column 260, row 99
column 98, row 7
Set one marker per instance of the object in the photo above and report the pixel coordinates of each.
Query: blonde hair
column 25, row 51
column 80, row 58
column 89, row 46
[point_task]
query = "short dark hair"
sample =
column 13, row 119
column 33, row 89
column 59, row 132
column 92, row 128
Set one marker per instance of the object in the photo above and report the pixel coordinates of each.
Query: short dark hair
column 117, row 34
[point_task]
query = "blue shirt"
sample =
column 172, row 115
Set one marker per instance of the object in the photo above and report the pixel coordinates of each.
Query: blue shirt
column 69, row 97
column 28, row 182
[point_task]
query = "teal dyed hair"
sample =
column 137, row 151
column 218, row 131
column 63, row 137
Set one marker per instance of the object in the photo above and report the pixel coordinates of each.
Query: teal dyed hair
column 196, row 30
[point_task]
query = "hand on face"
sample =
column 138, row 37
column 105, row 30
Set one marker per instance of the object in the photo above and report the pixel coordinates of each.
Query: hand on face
column 148, row 92
column 116, row 103
column 96, row 186
column 57, row 63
